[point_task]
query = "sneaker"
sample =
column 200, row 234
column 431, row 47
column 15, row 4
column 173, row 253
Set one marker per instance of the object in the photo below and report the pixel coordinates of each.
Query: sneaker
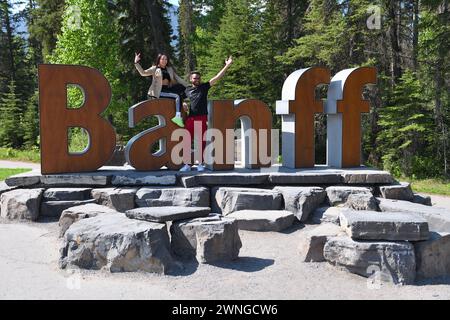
column 185, row 168
column 201, row 168
column 178, row 121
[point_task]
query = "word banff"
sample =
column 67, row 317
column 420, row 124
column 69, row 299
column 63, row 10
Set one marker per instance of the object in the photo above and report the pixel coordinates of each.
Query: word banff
column 344, row 106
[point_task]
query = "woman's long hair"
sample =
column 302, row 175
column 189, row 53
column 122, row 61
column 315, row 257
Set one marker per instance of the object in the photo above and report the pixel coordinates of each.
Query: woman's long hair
column 158, row 59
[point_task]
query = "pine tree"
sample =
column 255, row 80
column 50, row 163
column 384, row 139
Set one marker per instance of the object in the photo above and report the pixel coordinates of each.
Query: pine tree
column 30, row 122
column 10, row 117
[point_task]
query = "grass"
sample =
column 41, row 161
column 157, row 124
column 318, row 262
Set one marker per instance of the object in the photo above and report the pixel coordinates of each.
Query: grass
column 32, row 155
column 432, row 186
column 5, row 173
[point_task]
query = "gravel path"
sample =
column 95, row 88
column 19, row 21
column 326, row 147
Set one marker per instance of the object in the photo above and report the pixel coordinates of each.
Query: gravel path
column 18, row 164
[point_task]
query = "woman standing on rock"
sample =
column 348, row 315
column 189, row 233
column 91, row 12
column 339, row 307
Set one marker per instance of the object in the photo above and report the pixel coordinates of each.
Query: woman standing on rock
column 166, row 83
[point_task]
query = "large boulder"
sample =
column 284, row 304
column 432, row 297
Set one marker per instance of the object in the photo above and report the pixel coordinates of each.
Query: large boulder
column 362, row 201
column 438, row 218
column 120, row 199
column 74, row 214
column 54, row 209
column 302, row 201
column 183, row 197
column 339, row 194
column 390, row 261
column 326, row 214
column 235, row 199
column 67, row 194
column 312, row 241
column 263, row 220
column 118, row 244
column 21, row 204
column 208, row 240
column 400, row 191
column 393, row 226
column 421, row 199
column 433, row 256
column 165, row 214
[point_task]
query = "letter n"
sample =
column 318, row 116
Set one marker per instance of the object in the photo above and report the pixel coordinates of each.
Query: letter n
column 254, row 115
column 56, row 119
column 298, row 107
column 344, row 107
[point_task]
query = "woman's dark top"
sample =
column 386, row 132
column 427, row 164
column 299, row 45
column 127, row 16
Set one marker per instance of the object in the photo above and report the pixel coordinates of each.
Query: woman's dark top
column 165, row 74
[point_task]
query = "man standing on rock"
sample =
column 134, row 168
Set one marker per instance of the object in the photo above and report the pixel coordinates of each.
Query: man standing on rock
column 197, row 93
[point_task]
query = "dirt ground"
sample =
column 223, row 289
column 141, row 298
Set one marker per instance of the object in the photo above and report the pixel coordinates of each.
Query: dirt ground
column 268, row 268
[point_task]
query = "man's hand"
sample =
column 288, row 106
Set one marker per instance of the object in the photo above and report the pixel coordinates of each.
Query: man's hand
column 229, row 61
column 137, row 57
column 185, row 107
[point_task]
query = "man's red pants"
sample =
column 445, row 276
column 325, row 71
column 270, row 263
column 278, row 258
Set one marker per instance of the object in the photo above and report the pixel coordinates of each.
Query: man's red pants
column 201, row 122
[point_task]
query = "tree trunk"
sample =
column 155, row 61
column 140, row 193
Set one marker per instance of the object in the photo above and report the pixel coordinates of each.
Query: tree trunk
column 393, row 14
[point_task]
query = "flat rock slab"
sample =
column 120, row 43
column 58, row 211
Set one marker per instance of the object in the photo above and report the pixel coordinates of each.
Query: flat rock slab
column 54, row 209
column 393, row 226
column 74, row 214
column 133, row 178
column 438, row 218
column 230, row 178
column 118, row 244
column 26, row 179
column 164, row 214
column 313, row 241
column 263, row 220
column 208, row 240
column 339, row 195
column 400, row 191
column 390, row 261
column 235, row 199
column 421, row 199
column 304, row 178
column 160, row 196
column 362, row 201
column 366, row 177
column 326, row 214
column 21, row 204
column 76, row 179
column 302, row 201
column 120, row 199
column 67, row 194
column 5, row 188
column 433, row 256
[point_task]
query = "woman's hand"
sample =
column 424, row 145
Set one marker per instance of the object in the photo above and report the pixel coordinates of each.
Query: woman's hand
column 137, row 58
column 185, row 107
column 229, row 61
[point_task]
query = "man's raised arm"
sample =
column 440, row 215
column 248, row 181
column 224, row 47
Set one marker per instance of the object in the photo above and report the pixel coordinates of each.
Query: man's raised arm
column 219, row 76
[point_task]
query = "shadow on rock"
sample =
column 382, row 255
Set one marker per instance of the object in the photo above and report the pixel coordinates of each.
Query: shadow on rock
column 295, row 227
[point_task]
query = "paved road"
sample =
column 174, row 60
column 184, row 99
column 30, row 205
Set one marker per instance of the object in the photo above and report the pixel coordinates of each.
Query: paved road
column 18, row 164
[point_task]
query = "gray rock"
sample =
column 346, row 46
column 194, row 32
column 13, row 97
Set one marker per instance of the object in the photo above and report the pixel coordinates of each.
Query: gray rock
column 54, row 209
column 192, row 197
column 74, row 214
column 433, row 256
column 438, row 218
column 304, row 178
column 26, row 179
column 76, row 179
column 358, row 201
column 302, row 201
column 189, row 182
column 66, row 194
column 231, row 178
column 312, row 241
column 393, row 226
column 208, row 240
column 263, row 220
column 235, row 199
column 401, row 191
column 326, row 214
column 367, row 177
column 420, row 199
column 133, row 178
column 21, row 204
column 390, row 261
column 118, row 244
column 164, row 214
column 5, row 188
column 339, row 195
column 120, row 199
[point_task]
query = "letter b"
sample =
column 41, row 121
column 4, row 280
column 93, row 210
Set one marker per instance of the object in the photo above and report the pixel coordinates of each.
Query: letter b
column 56, row 119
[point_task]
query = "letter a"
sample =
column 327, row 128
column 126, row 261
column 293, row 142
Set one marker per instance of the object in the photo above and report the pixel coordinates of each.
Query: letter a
column 56, row 119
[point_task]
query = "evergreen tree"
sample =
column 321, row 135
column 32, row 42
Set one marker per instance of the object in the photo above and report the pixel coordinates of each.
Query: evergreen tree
column 30, row 122
column 10, row 117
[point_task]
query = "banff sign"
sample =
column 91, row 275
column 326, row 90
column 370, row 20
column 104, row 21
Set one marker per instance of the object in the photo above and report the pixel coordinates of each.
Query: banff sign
column 297, row 107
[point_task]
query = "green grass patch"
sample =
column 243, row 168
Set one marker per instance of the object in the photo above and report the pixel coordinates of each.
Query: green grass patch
column 32, row 155
column 6, row 173
column 432, row 186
